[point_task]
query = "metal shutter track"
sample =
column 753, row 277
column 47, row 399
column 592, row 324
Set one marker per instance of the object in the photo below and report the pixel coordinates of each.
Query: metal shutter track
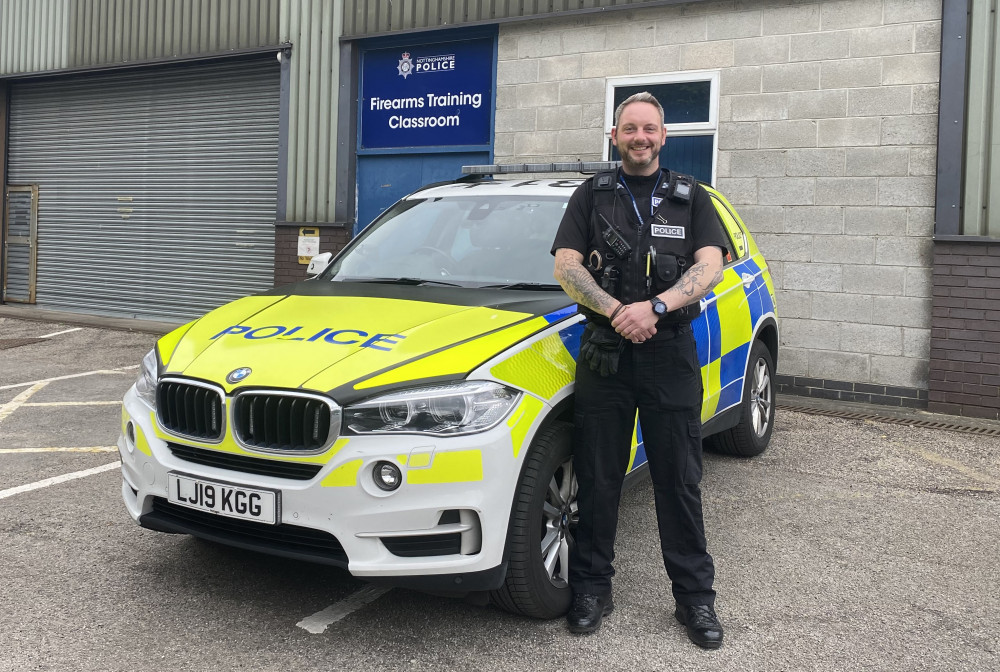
column 157, row 189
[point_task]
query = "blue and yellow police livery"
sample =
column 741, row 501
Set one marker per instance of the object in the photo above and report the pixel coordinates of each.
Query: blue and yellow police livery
column 405, row 413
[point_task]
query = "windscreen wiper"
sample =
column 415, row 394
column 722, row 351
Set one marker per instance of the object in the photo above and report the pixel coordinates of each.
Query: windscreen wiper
column 408, row 281
column 533, row 286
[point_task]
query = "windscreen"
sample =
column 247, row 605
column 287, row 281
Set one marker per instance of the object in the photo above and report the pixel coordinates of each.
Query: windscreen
column 468, row 241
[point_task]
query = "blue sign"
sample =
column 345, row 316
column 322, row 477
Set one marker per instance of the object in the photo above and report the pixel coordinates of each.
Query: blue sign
column 427, row 95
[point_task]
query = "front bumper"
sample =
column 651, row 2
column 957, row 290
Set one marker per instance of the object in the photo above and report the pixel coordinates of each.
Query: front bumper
column 444, row 528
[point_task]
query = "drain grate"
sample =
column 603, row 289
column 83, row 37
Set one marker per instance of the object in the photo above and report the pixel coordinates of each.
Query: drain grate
column 7, row 343
column 911, row 422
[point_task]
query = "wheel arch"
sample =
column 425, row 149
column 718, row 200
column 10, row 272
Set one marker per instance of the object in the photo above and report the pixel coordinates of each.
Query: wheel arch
column 767, row 333
column 561, row 412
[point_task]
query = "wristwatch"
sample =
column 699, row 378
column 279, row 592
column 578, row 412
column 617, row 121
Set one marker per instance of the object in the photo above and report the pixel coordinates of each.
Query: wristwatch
column 658, row 306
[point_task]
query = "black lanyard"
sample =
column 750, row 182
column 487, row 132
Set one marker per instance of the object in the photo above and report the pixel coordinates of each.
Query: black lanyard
column 652, row 208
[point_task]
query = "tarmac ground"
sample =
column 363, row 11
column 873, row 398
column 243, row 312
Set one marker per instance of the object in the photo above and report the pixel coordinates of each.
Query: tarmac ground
column 864, row 542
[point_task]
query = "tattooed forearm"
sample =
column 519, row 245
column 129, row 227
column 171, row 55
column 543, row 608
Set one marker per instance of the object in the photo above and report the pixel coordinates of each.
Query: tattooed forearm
column 695, row 284
column 692, row 281
column 580, row 284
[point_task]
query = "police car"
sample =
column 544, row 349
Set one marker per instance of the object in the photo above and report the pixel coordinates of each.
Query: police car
column 405, row 414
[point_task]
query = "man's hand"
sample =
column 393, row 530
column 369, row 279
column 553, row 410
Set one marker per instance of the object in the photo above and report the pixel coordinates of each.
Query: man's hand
column 636, row 322
column 580, row 284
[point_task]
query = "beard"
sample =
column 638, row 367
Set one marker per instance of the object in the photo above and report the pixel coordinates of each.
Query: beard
column 630, row 159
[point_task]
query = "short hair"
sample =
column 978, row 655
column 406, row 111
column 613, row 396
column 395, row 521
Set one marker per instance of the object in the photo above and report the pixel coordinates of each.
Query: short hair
column 641, row 97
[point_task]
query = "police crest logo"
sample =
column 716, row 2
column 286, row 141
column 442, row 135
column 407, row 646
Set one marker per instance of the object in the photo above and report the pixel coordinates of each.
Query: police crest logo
column 405, row 67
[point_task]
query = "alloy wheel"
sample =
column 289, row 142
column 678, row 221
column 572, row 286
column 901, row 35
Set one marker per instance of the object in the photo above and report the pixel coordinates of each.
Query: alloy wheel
column 560, row 514
column 760, row 398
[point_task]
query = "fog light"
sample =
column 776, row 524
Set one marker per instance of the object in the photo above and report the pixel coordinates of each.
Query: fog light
column 387, row 476
column 130, row 436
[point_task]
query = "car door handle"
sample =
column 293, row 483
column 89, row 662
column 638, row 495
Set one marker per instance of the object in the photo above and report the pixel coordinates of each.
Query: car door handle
column 747, row 280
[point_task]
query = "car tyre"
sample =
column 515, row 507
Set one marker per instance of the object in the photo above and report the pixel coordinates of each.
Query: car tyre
column 542, row 521
column 753, row 431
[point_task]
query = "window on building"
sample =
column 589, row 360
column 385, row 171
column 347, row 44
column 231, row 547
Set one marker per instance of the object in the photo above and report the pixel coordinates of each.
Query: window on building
column 690, row 103
column 980, row 209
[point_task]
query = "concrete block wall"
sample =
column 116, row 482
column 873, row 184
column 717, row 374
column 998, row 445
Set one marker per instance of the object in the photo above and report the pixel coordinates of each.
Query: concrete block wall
column 827, row 147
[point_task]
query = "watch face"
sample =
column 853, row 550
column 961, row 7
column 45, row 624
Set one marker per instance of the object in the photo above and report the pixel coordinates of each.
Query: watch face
column 659, row 307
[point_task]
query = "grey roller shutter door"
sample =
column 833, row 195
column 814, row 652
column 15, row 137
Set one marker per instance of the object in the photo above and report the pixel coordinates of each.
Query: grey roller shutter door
column 157, row 188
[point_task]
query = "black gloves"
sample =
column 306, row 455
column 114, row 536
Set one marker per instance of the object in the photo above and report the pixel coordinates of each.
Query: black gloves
column 600, row 347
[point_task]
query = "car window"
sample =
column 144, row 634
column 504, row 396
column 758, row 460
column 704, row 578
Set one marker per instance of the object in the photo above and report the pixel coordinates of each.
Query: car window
column 470, row 240
column 737, row 239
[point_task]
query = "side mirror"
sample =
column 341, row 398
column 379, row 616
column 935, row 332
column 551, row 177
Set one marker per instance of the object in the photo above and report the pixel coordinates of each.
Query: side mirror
column 318, row 264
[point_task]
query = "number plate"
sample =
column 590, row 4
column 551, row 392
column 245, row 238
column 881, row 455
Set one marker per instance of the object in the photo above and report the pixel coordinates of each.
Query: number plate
column 224, row 499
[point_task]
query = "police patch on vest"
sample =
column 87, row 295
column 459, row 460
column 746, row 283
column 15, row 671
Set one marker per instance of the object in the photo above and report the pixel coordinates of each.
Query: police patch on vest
column 655, row 201
column 665, row 231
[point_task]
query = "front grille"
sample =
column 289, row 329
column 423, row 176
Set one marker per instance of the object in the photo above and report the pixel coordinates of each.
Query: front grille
column 424, row 545
column 190, row 409
column 248, row 465
column 284, row 421
column 286, row 540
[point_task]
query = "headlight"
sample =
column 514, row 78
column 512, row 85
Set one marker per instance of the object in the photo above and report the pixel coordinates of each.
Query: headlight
column 145, row 385
column 463, row 408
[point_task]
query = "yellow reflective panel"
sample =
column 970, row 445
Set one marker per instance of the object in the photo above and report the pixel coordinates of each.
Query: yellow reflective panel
column 419, row 460
column 734, row 320
column 730, row 280
column 735, row 233
column 459, row 358
column 167, row 344
column 452, row 467
column 141, row 444
column 544, row 369
column 521, row 420
column 635, row 442
column 343, row 476
column 711, row 375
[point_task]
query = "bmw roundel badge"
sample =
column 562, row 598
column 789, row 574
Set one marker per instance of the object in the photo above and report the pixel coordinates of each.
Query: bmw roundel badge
column 236, row 375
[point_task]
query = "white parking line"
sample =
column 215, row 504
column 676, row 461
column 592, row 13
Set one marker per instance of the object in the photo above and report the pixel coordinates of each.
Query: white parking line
column 19, row 400
column 124, row 369
column 72, row 403
column 321, row 620
column 60, row 333
column 10, row 492
column 55, row 449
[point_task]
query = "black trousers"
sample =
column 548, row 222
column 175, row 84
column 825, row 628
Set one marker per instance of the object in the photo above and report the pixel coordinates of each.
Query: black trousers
column 662, row 380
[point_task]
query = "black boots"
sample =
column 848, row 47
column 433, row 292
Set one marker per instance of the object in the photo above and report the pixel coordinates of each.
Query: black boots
column 587, row 612
column 703, row 627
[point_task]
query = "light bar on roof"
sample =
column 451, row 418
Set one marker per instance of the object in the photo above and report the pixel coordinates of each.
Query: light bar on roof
column 510, row 168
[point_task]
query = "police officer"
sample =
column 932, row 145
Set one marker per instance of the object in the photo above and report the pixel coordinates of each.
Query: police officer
column 637, row 249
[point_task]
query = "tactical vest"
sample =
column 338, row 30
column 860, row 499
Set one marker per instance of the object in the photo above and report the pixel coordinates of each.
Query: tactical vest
column 619, row 247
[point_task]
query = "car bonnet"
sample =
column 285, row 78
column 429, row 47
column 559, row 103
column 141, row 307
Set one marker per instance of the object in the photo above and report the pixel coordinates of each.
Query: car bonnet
column 353, row 340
